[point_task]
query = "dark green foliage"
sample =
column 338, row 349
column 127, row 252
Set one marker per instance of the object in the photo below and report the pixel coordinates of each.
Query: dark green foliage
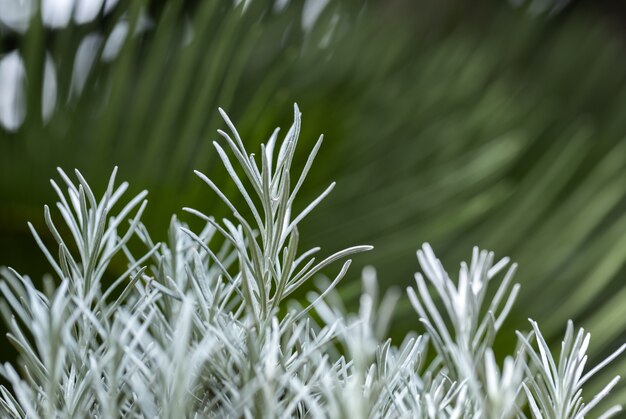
column 445, row 123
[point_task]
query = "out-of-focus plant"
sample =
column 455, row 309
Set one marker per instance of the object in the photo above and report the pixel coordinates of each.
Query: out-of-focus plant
column 450, row 123
column 539, row 7
column 192, row 327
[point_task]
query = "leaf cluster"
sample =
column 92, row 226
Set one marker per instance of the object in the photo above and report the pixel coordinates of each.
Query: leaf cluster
column 193, row 327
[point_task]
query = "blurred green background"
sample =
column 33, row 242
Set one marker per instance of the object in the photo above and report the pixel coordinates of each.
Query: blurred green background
column 491, row 123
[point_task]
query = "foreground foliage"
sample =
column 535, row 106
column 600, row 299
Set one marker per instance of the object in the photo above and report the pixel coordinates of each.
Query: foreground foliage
column 458, row 123
column 203, row 325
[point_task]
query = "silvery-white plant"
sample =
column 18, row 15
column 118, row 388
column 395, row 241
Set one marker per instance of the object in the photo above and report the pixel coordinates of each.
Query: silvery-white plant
column 204, row 325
